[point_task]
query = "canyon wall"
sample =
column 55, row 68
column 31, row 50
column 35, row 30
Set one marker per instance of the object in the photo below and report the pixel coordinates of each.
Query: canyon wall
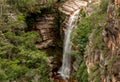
column 103, row 51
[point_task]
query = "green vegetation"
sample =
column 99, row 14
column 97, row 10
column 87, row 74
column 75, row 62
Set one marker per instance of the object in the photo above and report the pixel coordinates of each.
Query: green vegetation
column 104, row 5
column 20, row 60
column 93, row 24
column 82, row 74
column 30, row 6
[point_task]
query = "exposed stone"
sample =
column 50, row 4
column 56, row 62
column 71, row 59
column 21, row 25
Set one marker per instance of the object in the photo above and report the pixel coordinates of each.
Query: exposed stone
column 70, row 6
column 44, row 44
column 117, row 2
column 105, row 62
column 45, row 26
column 45, row 3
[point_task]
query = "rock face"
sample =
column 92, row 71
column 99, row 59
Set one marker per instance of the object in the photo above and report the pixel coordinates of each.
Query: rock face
column 68, row 8
column 117, row 2
column 103, row 65
column 45, row 26
column 45, row 3
column 72, row 5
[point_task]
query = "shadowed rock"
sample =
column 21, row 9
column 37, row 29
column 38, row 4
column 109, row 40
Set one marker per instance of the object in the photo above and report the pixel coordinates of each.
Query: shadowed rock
column 45, row 26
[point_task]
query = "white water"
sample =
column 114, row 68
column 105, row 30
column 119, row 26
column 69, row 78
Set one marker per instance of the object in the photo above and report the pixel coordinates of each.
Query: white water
column 66, row 62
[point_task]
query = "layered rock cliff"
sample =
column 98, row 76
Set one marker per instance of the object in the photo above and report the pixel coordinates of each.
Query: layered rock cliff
column 103, row 51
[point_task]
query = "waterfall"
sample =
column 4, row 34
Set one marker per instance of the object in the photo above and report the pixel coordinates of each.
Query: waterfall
column 65, row 69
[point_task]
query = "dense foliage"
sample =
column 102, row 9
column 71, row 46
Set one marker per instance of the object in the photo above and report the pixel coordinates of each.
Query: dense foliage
column 20, row 60
column 89, row 24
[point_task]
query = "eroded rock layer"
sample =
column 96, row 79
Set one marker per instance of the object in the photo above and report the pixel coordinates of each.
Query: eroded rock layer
column 103, row 64
column 70, row 6
column 46, row 28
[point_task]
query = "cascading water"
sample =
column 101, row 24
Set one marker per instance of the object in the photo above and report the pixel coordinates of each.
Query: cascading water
column 66, row 62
